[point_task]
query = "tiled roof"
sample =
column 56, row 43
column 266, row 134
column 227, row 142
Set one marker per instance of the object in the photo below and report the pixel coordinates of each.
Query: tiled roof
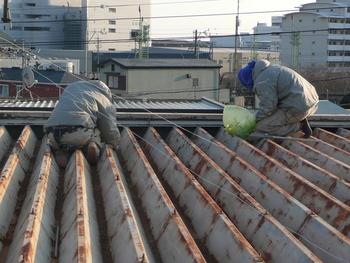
column 171, row 195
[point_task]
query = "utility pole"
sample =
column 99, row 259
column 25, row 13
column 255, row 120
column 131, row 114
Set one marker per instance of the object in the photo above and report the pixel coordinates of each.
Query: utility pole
column 98, row 54
column 195, row 42
column 295, row 49
column 142, row 39
column 235, row 57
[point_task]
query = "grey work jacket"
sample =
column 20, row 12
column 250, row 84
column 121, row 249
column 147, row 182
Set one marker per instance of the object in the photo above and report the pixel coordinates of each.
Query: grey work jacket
column 87, row 104
column 279, row 87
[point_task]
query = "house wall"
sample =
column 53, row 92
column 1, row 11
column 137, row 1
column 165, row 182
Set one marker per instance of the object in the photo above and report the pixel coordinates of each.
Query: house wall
column 38, row 90
column 181, row 81
column 168, row 83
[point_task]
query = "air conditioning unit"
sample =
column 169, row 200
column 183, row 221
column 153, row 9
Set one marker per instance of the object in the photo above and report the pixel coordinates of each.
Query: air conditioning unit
column 135, row 33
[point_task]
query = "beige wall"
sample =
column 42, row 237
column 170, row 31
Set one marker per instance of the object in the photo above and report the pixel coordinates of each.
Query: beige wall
column 226, row 58
column 162, row 81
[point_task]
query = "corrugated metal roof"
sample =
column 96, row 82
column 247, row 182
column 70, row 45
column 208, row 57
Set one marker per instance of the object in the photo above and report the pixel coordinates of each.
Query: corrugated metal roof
column 171, row 195
column 190, row 106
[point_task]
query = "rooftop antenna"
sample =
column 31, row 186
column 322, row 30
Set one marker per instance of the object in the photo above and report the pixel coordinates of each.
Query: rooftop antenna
column 28, row 79
column 235, row 57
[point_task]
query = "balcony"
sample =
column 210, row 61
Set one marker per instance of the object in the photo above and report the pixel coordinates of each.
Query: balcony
column 339, row 47
column 339, row 36
column 338, row 59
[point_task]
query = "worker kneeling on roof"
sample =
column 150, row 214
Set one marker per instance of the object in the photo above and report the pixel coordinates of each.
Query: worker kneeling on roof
column 286, row 98
column 83, row 118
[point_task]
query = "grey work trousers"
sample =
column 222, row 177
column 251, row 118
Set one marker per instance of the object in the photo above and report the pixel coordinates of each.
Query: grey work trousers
column 75, row 139
column 282, row 123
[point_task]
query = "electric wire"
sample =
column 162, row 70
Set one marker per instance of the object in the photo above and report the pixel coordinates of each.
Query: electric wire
column 118, row 40
column 114, row 5
column 189, row 15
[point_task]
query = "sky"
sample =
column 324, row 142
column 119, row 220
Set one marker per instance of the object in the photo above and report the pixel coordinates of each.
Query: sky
column 214, row 25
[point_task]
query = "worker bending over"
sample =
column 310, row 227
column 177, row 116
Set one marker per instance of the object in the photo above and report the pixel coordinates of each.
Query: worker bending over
column 286, row 98
column 83, row 118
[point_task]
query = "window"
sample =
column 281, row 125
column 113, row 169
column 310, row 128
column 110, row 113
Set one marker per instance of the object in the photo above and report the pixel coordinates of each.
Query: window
column 111, row 22
column 111, row 30
column 195, row 82
column 112, row 67
column 313, row 42
column 111, row 49
column 116, row 82
column 313, row 53
column 18, row 90
column 4, row 90
column 29, row 4
column 300, row 20
column 36, row 16
column 112, row 10
column 32, row 28
column 348, row 9
column 16, row 28
column 314, row 20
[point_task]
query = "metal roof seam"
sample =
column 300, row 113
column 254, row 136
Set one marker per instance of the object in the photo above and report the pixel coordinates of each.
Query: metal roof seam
column 236, row 196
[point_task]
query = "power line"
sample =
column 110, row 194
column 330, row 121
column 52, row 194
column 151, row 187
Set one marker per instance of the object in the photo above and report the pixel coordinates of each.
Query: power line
column 117, row 5
column 176, row 16
column 124, row 40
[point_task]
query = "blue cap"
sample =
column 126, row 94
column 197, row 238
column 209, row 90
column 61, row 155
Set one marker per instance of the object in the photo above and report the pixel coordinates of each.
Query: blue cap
column 245, row 75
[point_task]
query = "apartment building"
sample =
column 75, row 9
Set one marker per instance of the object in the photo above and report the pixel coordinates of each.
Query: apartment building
column 317, row 36
column 76, row 24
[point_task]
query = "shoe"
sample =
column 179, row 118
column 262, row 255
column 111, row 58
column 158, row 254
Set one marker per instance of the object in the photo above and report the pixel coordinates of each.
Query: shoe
column 61, row 158
column 92, row 153
column 305, row 127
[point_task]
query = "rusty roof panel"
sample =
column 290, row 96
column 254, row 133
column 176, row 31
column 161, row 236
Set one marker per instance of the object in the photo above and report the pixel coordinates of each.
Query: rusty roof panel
column 252, row 220
column 35, row 227
column 332, row 138
column 319, row 201
column 170, row 195
column 166, row 226
column 280, row 204
column 207, row 220
column 344, row 133
column 325, row 161
column 12, row 175
column 318, row 176
column 127, row 243
column 79, row 228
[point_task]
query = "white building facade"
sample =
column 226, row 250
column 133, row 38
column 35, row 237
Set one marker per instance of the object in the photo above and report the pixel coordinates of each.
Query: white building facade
column 76, row 24
column 318, row 36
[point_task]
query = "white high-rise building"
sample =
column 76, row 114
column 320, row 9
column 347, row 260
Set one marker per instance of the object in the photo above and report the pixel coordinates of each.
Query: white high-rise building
column 76, row 24
column 318, row 36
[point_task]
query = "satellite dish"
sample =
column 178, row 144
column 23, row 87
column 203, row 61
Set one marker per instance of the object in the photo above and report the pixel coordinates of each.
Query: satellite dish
column 28, row 77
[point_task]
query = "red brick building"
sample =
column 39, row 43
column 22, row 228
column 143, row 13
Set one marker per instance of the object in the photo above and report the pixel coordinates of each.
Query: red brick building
column 50, row 83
